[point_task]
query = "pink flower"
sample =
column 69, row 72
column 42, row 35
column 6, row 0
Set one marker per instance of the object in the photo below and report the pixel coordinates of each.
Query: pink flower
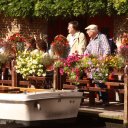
column 61, row 71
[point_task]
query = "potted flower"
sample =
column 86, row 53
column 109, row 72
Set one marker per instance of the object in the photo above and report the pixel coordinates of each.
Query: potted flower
column 60, row 46
column 99, row 68
column 123, row 49
column 71, row 66
column 29, row 64
column 17, row 41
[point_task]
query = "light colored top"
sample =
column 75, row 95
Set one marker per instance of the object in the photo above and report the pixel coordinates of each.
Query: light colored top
column 77, row 43
column 2, row 49
column 36, row 51
column 99, row 46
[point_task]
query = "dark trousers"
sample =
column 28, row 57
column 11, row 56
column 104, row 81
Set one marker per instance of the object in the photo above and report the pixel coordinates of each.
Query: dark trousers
column 103, row 95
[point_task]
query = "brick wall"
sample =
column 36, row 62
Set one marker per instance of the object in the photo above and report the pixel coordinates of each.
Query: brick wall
column 120, row 25
column 28, row 26
column 39, row 26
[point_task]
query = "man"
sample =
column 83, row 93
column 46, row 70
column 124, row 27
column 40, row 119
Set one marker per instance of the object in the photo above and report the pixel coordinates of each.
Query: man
column 98, row 46
column 76, row 38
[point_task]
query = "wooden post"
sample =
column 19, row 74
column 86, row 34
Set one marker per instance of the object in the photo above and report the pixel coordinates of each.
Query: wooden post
column 55, row 79
column 125, row 120
column 62, row 80
column 14, row 74
column 58, row 79
column 91, row 95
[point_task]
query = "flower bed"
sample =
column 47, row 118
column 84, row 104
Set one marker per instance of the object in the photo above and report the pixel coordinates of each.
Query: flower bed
column 28, row 63
column 95, row 68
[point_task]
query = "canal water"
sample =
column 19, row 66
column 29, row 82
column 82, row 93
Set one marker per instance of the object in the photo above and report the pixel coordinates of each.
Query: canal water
column 80, row 122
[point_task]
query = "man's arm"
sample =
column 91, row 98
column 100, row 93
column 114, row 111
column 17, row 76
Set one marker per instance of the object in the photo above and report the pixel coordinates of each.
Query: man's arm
column 105, row 45
column 82, row 43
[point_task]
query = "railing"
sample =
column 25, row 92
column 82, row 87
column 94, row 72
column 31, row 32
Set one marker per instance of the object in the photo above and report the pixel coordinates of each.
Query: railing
column 61, row 82
column 118, row 86
column 15, row 80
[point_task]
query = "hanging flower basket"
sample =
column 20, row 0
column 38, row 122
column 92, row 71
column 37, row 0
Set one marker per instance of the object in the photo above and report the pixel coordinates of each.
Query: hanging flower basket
column 17, row 41
column 60, row 46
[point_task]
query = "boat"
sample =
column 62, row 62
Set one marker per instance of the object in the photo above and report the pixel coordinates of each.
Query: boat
column 28, row 106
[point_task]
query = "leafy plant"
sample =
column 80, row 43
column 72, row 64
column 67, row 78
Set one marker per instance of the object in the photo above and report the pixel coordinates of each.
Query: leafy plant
column 120, row 6
column 65, row 8
column 30, row 64
column 96, row 68
column 17, row 41
column 3, row 58
column 100, row 67
column 60, row 46
column 71, row 66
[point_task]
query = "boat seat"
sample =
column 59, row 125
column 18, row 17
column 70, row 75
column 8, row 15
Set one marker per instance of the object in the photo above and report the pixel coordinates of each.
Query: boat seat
column 40, row 81
column 6, row 89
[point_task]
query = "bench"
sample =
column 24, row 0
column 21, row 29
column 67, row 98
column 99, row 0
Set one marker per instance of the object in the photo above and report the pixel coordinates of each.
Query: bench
column 40, row 81
column 7, row 89
column 86, row 85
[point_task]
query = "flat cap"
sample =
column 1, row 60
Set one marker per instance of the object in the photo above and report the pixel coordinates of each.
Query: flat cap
column 92, row 27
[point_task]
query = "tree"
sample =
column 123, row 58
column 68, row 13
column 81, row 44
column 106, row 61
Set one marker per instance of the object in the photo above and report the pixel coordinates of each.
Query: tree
column 65, row 8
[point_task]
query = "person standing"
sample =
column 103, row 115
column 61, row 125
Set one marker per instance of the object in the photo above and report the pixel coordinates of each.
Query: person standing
column 77, row 39
column 98, row 46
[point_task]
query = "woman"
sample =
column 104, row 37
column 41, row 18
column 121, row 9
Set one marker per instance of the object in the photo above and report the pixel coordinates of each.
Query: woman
column 30, row 44
column 41, row 46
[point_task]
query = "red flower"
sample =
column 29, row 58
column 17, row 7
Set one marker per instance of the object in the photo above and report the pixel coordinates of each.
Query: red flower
column 17, row 37
column 60, row 46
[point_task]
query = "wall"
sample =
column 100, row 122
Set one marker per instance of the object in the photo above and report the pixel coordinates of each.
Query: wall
column 105, row 23
column 59, row 25
column 120, row 24
column 38, row 26
column 114, row 25
column 27, row 26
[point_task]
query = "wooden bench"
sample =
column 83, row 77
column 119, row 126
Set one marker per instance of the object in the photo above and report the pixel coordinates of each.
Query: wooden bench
column 10, row 89
column 86, row 85
column 83, row 81
column 9, row 83
column 40, row 81
column 7, row 89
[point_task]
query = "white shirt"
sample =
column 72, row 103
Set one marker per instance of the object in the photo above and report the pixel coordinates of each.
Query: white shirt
column 2, row 49
column 71, row 41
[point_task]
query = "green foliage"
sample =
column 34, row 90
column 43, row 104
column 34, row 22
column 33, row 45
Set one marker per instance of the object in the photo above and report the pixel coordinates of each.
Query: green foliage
column 4, row 58
column 43, row 8
column 50, row 8
column 33, row 63
column 121, row 6
column 95, row 7
column 62, row 7
column 29, row 64
column 79, row 7
column 17, row 7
